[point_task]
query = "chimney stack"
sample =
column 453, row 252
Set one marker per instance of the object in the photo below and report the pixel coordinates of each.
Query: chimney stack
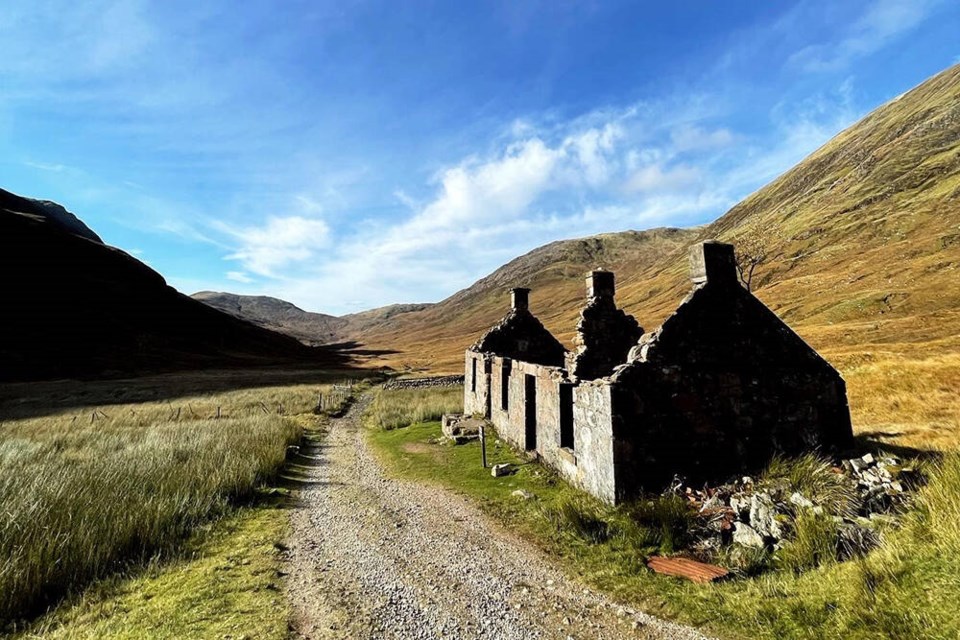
column 713, row 262
column 520, row 298
column 600, row 284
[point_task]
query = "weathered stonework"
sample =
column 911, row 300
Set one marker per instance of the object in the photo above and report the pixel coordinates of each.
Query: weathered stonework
column 521, row 336
column 719, row 389
column 605, row 334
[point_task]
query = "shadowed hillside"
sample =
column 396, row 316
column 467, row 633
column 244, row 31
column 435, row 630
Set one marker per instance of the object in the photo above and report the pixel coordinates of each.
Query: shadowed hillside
column 73, row 306
column 864, row 237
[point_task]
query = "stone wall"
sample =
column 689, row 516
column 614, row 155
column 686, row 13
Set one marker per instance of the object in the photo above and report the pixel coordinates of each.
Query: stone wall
column 722, row 387
column 593, row 437
column 432, row 382
column 588, row 464
column 476, row 385
column 718, row 390
column 605, row 334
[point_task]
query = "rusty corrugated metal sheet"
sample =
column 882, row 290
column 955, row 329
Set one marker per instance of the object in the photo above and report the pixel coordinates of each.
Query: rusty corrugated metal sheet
column 686, row 568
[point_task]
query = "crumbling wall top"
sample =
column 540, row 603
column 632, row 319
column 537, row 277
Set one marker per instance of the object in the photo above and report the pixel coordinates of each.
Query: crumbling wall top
column 605, row 333
column 521, row 336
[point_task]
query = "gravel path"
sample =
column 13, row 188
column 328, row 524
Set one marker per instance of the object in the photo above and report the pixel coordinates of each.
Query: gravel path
column 375, row 557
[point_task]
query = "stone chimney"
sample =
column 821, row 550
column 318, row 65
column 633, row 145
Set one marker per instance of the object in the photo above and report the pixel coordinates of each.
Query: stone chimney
column 520, row 298
column 600, row 284
column 713, row 262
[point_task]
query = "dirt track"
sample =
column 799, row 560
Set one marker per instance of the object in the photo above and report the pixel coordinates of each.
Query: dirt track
column 374, row 557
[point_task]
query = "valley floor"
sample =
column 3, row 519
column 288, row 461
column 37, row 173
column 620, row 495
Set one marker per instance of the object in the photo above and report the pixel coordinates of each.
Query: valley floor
column 375, row 557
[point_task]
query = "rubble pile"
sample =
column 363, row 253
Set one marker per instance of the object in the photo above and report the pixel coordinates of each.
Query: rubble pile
column 762, row 514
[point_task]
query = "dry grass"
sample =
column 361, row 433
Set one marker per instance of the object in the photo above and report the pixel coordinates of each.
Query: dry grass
column 89, row 489
column 908, row 402
column 400, row 407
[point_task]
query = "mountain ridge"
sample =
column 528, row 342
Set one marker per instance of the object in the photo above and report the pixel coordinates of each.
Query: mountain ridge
column 76, row 307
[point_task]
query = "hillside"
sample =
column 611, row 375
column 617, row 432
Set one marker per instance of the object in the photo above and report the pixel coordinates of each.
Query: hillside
column 276, row 315
column 75, row 307
column 864, row 236
column 306, row 326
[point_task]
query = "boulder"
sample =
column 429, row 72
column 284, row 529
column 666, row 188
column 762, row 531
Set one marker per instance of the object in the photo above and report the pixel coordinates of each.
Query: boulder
column 763, row 516
column 499, row 470
column 746, row 536
column 460, row 428
column 798, row 499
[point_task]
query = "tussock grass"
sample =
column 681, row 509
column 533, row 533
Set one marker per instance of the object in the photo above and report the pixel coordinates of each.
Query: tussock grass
column 663, row 522
column 395, row 408
column 87, row 491
column 908, row 401
column 577, row 516
column 812, row 476
column 813, row 543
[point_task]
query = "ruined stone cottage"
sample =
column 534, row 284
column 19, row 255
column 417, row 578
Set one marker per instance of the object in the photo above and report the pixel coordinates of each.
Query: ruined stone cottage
column 719, row 389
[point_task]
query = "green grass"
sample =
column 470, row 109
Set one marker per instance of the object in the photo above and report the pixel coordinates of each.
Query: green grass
column 89, row 492
column 224, row 583
column 905, row 589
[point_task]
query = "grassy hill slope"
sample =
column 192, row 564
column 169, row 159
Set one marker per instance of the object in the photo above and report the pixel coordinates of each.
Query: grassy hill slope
column 864, row 236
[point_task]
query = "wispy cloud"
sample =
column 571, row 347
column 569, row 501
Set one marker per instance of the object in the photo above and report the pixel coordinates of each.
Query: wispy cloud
column 47, row 166
column 239, row 276
column 278, row 243
column 655, row 178
column 609, row 170
column 883, row 22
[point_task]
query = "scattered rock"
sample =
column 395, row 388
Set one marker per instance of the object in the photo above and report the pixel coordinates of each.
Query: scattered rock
column 798, row 499
column 523, row 495
column 746, row 536
column 499, row 470
column 460, row 428
column 763, row 516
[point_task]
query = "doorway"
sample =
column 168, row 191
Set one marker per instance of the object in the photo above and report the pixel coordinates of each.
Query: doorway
column 530, row 412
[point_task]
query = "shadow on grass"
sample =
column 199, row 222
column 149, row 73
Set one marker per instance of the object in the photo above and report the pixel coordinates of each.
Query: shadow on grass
column 37, row 399
column 875, row 442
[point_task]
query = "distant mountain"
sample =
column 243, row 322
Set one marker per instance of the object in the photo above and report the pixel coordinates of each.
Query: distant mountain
column 863, row 237
column 276, row 315
column 73, row 306
column 436, row 335
column 308, row 327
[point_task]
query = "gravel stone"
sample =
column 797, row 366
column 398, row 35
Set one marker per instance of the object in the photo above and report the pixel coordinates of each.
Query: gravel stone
column 376, row 557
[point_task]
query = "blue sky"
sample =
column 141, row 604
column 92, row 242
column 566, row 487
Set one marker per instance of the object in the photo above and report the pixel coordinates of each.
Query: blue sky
column 346, row 155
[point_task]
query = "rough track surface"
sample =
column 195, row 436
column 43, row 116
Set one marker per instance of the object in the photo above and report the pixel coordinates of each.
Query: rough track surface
column 375, row 557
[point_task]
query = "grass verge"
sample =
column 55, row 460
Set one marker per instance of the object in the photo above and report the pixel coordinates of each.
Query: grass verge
column 223, row 584
column 904, row 589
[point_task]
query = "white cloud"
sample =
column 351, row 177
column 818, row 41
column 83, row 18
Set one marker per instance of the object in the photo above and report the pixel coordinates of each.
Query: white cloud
column 690, row 138
column 883, row 22
column 654, row 178
column 606, row 171
column 46, row 166
column 279, row 242
column 239, row 276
